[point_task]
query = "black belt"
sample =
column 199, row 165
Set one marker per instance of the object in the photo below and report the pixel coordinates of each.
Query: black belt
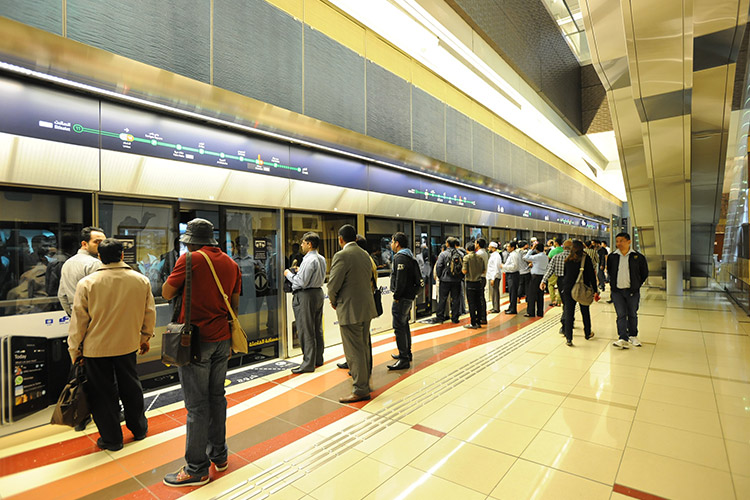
column 303, row 289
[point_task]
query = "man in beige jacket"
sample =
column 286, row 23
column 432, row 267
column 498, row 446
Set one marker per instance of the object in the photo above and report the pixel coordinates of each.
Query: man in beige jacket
column 113, row 318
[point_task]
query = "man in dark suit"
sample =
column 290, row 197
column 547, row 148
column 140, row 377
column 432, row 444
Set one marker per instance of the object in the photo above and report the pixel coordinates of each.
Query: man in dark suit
column 350, row 293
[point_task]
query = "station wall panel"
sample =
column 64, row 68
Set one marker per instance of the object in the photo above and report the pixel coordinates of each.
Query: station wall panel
column 165, row 34
column 388, row 106
column 334, row 84
column 428, row 124
column 501, row 159
column 258, row 52
column 42, row 14
column 482, row 145
column 457, row 138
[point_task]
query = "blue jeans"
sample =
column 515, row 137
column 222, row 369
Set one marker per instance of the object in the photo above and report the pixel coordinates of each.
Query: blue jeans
column 400, row 311
column 203, row 386
column 626, row 307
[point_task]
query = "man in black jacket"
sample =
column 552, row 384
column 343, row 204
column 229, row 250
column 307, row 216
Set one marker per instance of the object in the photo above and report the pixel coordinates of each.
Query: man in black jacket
column 448, row 271
column 404, row 275
column 628, row 271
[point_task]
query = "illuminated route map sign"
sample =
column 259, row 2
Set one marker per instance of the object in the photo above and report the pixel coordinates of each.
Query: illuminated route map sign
column 33, row 111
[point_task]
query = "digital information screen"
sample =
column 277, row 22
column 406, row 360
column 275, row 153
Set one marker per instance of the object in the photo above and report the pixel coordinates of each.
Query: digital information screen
column 48, row 114
column 29, row 374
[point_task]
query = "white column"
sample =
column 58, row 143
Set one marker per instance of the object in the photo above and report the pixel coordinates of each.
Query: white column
column 674, row 277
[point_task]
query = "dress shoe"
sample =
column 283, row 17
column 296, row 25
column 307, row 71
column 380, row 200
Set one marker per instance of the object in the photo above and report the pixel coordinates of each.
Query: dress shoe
column 108, row 446
column 529, row 315
column 82, row 426
column 471, row 327
column 300, row 370
column 494, row 311
column 395, row 356
column 399, row 365
column 455, row 321
column 353, row 398
column 482, row 322
column 140, row 437
column 510, row 312
column 343, row 366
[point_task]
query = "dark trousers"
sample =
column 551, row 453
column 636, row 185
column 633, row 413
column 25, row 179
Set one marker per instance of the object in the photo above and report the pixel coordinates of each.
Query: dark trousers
column 626, row 307
column 473, row 296
column 450, row 289
column 483, row 300
column 308, row 314
column 401, row 310
column 495, row 292
column 111, row 378
column 523, row 284
column 511, row 281
column 601, row 278
column 535, row 297
column 569, row 310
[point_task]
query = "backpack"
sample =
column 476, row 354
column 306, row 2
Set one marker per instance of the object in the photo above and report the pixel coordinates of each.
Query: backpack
column 456, row 264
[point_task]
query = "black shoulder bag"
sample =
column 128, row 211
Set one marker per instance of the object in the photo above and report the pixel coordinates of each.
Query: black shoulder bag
column 180, row 343
column 376, row 296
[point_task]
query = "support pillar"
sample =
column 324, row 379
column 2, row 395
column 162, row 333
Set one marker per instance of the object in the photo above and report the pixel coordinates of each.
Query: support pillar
column 674, row 277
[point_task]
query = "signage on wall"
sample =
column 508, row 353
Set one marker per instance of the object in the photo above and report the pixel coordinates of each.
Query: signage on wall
column 129, row 256
column 58, row 116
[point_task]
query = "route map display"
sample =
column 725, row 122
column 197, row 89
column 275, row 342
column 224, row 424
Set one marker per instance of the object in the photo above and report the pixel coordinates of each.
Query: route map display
column 34, row 111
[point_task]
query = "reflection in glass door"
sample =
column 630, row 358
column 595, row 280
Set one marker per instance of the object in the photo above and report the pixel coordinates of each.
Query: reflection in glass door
column 252, row 239
column 422, row 246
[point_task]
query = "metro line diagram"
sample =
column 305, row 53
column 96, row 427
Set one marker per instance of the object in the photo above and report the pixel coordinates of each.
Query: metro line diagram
column 442, row 197
column 126, row 137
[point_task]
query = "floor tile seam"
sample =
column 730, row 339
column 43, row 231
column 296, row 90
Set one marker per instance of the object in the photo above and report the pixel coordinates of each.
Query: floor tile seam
column 681, row 405
column 338, row 434
column 568, row 472
column 724, row 441
column 727, row 470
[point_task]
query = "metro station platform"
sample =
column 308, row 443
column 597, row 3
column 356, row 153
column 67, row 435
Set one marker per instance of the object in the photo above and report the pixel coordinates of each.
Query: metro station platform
column 506, row 412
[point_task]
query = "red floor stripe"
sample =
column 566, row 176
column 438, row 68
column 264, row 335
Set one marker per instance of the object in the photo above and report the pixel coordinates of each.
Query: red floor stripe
column 434, row 432
column 632, row 492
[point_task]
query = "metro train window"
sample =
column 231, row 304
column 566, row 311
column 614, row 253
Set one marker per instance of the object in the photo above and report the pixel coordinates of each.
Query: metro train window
column 326, row 225
column 149, row 229
column 378, row 233
column 39, row 231
column 473, row 233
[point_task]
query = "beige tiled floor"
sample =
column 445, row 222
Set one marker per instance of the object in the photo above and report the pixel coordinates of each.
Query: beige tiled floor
column 671, row 418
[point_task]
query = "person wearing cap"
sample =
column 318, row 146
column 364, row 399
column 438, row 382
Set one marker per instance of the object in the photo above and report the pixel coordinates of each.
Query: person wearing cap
column 203, row 381
column 494, row 275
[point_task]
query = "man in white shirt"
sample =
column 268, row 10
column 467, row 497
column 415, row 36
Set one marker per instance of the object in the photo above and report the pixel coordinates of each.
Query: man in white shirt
column 628, row 270
column 511, row 269
column 494, row 276
column 85, row 262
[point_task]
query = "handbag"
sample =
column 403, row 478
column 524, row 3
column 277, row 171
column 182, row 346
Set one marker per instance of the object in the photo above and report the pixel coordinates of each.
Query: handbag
column 180, row 344
column 581, row 292
column 376, row 295
column 72, row 406
column 239, row 337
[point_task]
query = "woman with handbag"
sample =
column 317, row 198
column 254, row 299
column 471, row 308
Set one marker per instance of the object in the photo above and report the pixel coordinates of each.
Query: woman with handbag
column 578, row 284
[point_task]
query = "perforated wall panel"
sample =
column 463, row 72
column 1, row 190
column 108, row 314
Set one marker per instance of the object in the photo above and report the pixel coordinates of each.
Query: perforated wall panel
column 428, row 124
column 481, row 142
column 42, row 14
column 388, row 106
column 334, row 82
column 458, row 137
column 258, row 52
column 164, row 34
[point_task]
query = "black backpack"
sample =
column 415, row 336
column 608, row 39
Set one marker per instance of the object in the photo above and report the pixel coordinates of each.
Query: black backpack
column 456, row 264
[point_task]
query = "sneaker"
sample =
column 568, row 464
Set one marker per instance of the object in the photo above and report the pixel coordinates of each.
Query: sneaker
column 634, row 341
column 221, row 467
column 182, row 478
column 621, row 344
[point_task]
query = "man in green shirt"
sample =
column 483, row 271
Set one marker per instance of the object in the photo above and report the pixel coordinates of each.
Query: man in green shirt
column 554, row 295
